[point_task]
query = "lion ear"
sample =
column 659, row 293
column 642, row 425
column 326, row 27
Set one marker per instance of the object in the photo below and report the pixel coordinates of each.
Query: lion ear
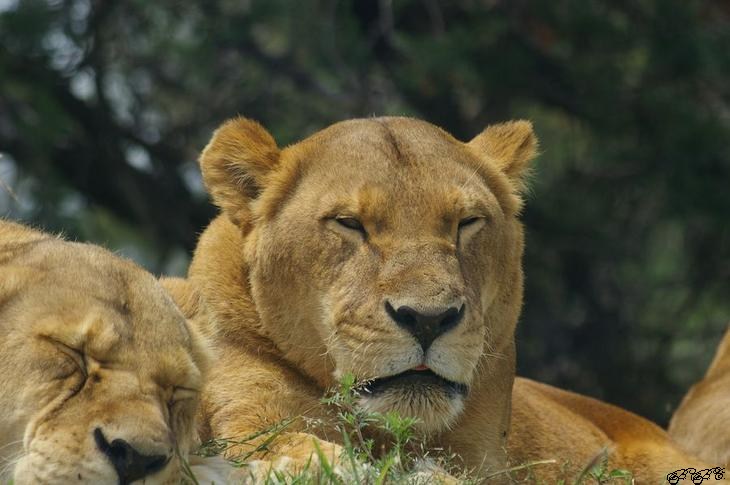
column 235, row 163
column 511, row 145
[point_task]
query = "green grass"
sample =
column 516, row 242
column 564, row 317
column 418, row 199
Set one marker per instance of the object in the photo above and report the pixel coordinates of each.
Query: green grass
column 406, row 461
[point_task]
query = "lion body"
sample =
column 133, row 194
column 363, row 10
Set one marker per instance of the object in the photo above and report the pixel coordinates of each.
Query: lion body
column 92, row 352
column 289, row 283
column 700, row 423
column 553, row 424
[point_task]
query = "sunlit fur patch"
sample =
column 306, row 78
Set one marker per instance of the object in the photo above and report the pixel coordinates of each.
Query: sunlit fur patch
column 433, row 400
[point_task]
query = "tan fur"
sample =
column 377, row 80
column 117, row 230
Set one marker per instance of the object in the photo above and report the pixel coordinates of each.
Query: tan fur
column 293, row 300
column 701, row 424
column 549, row 423
column 87, row 341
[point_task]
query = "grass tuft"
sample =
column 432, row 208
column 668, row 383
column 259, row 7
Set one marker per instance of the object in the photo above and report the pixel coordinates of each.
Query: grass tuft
column 404, row 461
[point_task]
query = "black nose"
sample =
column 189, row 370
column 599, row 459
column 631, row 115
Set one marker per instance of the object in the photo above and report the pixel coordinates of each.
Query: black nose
column 426, row 328
column 130, row 464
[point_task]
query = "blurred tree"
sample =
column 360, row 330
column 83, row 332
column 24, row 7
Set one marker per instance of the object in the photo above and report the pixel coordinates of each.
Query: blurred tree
column 105, row 105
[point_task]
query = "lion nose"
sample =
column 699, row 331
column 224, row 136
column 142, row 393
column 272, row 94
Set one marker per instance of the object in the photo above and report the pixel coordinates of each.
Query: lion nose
column 130, row 464
column 425, row 327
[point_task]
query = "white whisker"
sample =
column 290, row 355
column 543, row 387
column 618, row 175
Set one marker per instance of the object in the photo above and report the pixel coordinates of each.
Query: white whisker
column 12, row 443
column 8, row 465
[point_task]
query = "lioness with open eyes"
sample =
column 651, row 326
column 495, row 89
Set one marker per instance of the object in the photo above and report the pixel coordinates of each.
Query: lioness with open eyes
column 99, row 372
column 387, row 249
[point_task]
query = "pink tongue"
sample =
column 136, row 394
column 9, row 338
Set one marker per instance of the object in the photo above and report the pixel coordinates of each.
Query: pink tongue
column 421, row 367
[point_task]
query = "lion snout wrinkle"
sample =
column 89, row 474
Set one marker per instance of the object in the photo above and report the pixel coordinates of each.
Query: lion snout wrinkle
column 426, row 286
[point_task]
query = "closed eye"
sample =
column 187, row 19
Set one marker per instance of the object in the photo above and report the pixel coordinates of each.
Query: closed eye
column 469, row 221
column 348, row 226
column 469, row 226
column 77, row 356
column 350, row 223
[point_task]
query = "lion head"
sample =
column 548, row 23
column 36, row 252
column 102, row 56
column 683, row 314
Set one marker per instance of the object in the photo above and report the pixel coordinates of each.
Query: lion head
column 99, row 372
column 384, row 248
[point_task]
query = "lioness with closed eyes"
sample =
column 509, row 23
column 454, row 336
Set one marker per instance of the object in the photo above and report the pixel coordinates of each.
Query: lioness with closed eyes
column 387, row 249
column 99, row 371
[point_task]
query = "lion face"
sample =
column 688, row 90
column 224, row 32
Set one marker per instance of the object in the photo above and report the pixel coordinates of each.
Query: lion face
column 387, row 246
column 100, row 372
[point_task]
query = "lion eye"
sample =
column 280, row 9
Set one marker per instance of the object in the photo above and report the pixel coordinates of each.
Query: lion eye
column 468, row 221
column 77, row 356
column 350, row 223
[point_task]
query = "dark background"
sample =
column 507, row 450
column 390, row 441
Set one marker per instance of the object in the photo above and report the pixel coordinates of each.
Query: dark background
column 104, row 106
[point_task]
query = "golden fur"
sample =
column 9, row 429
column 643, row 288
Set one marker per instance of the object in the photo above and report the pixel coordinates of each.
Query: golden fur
column 549, row 423
column 297, row 280
column 701, row 424
column 89, row 342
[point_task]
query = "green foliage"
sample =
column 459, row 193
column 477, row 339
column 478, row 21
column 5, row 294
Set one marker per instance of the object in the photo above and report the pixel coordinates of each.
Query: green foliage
column 404, row 461
column 598, row 472
column 392, row 466
column 360, row 463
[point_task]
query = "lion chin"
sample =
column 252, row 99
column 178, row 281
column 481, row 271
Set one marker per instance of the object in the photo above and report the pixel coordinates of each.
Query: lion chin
column 421, row 393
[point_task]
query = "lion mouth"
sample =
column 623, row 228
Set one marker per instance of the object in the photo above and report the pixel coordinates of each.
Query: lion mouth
column 415, row 380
